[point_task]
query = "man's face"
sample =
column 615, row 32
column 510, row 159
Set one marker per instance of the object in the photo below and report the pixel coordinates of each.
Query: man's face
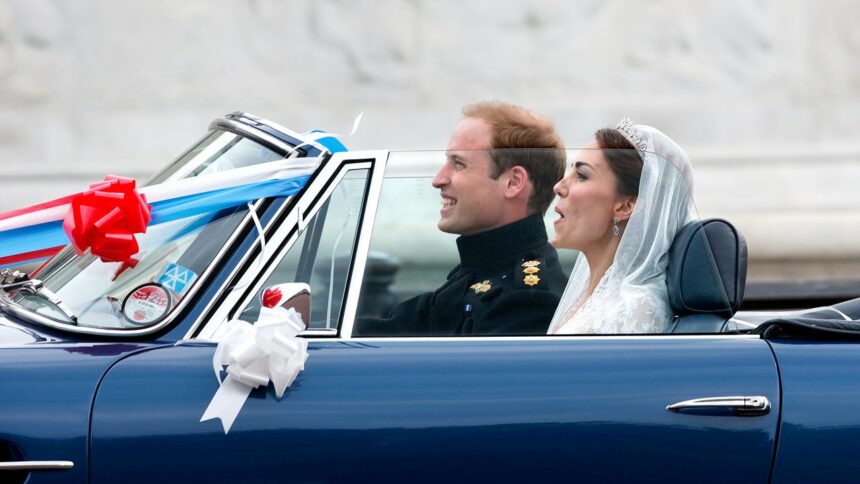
column 472, row 201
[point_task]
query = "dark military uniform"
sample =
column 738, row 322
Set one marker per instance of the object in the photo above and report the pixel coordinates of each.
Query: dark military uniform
column 508, row 282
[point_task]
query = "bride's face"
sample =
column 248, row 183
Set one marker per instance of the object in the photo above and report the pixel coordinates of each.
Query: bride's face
column 587, row 202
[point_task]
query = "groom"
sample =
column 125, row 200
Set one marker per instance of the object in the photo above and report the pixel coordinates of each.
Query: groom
column 496, row 184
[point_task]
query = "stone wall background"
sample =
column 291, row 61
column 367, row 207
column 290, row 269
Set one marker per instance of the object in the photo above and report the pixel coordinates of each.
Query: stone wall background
column 764, row 95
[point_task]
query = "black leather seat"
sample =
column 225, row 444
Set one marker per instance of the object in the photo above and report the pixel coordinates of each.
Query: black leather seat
column 706, row 276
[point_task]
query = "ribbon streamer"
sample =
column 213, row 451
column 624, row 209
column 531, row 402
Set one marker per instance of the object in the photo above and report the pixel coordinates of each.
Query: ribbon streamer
column 254, row 355
column 28, row 234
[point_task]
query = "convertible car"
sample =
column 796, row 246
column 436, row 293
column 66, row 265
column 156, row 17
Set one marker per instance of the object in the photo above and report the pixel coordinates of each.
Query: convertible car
column 107, row 367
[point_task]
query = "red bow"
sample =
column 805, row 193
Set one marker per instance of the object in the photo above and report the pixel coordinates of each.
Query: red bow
column 105, row 218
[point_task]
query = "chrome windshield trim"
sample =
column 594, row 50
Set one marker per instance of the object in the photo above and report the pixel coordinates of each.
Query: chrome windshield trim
column 36, row 465
column 288, row 131
column 253, row 134
column 7, row 304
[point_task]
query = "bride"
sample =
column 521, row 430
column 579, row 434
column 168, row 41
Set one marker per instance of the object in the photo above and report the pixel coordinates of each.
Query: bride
column 621, row 204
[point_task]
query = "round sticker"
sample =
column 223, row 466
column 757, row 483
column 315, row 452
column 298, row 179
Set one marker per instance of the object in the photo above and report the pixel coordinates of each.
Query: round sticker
column 147, row 304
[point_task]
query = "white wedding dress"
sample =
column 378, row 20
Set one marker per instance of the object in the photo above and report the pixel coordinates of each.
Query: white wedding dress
column 632, row 296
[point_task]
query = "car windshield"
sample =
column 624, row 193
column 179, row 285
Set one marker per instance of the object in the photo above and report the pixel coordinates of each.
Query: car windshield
column 218, row 151
column 115, row 296
column 172, row 255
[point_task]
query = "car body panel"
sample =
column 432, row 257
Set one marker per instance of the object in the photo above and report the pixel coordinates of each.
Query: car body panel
column 13, row 333
column 482, row 409
column 819, row 438
column 47, row 391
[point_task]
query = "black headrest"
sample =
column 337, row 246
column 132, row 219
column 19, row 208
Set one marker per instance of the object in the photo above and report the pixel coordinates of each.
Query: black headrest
column 707, row 269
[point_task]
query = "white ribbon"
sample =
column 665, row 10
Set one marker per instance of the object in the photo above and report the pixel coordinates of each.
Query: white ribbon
column 256, row 354
column 275, row 170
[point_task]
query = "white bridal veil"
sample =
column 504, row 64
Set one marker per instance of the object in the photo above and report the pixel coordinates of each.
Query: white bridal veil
column 632, row 297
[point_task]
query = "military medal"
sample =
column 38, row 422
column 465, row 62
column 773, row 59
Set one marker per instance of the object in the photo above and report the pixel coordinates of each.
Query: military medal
column 531, row 270
column 481, row 287
column 531, row 280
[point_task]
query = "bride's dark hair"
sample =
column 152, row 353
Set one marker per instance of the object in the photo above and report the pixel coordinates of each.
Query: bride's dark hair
column 623, row 160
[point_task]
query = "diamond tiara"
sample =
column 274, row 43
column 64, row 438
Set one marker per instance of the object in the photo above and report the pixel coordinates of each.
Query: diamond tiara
column 632, row 134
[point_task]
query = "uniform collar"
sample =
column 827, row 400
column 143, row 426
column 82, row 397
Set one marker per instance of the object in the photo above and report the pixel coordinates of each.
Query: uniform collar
column 502, row 243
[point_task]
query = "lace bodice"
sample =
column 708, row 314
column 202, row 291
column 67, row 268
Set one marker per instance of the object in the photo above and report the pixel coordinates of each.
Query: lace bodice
column 609, row 311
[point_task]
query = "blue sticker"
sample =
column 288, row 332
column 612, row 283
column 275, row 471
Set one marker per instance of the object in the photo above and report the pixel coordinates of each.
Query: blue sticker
column 176, row 278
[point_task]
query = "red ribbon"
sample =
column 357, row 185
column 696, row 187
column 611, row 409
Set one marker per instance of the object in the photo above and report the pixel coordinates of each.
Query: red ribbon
column 105, row 218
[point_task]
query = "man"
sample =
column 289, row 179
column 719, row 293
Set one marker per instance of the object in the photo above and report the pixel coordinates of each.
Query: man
column 501, row 165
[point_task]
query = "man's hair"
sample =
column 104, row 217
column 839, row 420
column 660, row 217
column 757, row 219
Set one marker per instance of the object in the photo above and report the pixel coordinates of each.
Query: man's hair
column 524, row 138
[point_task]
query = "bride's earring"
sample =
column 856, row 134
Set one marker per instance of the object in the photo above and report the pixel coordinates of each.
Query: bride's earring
column 616, row 231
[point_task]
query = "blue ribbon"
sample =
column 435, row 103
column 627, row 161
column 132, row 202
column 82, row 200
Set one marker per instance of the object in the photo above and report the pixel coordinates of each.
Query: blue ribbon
column 331, row 143
column 51, row 234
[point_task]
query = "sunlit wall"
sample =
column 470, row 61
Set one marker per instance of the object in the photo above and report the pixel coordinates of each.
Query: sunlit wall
column 764, row 95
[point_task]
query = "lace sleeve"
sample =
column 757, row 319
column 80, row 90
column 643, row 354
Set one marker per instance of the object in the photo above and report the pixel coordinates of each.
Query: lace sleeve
column 646, row 313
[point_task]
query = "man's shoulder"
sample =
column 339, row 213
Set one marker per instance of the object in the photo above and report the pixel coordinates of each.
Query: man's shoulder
column 519, row 301
column 539, row 269
column 533, row 270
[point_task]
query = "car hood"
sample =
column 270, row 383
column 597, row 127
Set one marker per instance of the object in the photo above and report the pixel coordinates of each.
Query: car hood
column 48, row 387
column 13, row 333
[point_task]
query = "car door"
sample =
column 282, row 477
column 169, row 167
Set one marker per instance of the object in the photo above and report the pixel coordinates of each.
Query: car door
column 426, row 409
column 590, row 409
column 819, row 433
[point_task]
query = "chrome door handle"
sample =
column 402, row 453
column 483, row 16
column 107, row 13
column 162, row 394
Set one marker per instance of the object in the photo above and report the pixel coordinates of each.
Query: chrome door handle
column 749, row 406
column 36, row 465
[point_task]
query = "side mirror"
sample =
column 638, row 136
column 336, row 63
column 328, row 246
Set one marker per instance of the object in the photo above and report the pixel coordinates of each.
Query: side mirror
column 296, row 295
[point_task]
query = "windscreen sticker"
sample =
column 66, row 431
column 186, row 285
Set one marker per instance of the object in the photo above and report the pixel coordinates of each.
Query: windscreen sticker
column 176, row 278
column 147, row 304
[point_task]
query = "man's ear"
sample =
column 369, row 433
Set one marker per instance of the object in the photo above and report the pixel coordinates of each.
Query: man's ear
column 624, row 208
column 516, row 181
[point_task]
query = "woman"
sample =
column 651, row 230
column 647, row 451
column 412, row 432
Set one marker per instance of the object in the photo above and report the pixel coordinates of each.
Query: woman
column 620, row 205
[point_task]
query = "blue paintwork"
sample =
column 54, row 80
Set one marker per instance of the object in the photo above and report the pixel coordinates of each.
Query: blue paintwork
column 820, row 429
column 13, row 333
column 587, row 409
column 47, row 390
column 49, row 380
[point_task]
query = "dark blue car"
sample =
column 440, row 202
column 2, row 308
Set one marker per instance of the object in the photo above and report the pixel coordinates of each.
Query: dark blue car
column 107, row 370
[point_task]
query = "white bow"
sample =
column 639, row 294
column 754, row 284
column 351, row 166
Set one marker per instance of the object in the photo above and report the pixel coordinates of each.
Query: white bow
column 254, row 355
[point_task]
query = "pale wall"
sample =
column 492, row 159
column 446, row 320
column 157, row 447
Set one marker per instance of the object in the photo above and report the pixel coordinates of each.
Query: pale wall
column 764, row 95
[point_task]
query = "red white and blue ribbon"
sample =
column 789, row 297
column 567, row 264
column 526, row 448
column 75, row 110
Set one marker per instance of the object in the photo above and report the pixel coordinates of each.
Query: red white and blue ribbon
column 105, row 217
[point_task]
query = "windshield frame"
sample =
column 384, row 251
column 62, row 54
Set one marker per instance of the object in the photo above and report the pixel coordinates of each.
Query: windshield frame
column 282, row 231
column 253, row 128
column 9, row 306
